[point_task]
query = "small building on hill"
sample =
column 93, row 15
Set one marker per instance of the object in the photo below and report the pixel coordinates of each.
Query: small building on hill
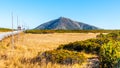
column 19, row 27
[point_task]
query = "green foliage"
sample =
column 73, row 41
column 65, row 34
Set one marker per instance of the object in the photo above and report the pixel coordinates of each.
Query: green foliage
column 89, row 46
column 34, row 31
column 100, row 35
column 109, row 54
column 4, row 29
column 112, row 36
column 63, row 57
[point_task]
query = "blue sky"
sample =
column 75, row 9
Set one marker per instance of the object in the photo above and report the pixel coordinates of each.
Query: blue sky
column 101, row 13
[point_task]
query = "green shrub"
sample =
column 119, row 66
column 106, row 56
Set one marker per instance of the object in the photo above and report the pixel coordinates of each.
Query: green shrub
column 109, row 54
column 63, row 57
column 112, row 36
column 89, row 46
column 100, row 36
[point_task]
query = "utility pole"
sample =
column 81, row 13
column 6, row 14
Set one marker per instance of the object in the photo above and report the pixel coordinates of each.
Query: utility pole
column 17, row 22
column 17, row 28
column 12, row 32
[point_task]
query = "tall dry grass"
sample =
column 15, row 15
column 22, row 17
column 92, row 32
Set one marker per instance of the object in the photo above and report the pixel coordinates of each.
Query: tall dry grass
column 27, row 46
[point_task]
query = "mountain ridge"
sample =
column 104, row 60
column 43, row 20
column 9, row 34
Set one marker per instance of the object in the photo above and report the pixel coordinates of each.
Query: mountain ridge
column 65, row 24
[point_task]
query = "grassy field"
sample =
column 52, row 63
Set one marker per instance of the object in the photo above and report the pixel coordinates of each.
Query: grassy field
column 27, row 46
column 51, row 41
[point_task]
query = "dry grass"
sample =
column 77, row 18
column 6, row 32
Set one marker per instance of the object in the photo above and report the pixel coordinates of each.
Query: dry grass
column 28, row 46
column 51, row 41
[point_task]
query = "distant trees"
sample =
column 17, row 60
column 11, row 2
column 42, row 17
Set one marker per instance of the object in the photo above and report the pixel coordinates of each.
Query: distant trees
column 35, row 31
column 5, row 30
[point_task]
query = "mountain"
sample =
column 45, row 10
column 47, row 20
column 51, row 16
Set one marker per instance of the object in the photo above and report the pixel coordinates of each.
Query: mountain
column 65, row 24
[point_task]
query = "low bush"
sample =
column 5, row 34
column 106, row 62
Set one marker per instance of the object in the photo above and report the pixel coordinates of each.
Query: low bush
column 110, row 54
column 62, row 57
column 100, row 36
column 89, row 46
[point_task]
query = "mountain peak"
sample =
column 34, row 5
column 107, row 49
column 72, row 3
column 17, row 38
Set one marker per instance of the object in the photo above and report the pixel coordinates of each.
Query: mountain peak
column 62, row 18
column 65, row 24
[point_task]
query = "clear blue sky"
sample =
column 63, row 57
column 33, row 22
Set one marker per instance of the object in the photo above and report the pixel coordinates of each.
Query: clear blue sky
column 101, row 13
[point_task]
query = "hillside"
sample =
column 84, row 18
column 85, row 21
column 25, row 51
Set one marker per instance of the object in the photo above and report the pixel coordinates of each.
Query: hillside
column 65, row 24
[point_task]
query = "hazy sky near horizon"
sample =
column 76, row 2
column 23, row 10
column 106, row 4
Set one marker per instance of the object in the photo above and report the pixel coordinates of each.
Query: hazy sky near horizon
column 101, row 13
